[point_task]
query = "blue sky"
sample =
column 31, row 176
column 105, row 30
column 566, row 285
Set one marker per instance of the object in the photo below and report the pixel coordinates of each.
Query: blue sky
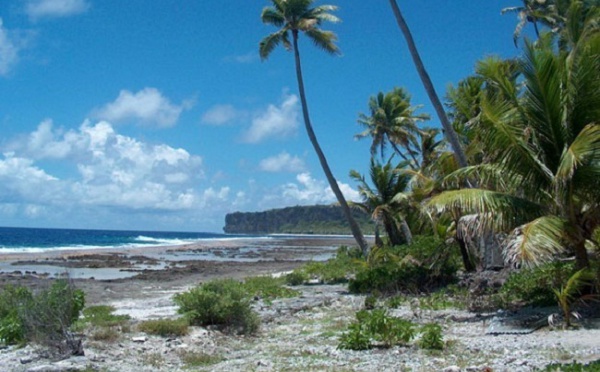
column 159, row 115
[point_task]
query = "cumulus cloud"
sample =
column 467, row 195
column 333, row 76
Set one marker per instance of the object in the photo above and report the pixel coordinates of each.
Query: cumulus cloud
column 148, row 106
column 282, row 162
column 113, row 170
column 220, row 114
column 37, row 9
column 276, row 121
column 308, row 191
column 9, row 51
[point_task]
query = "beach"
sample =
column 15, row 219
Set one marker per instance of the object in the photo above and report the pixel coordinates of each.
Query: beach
column 296, row 334
column 107, row 274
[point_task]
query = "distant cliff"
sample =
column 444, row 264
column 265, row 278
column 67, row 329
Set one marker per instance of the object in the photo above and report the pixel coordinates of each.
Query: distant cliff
column 318, row 219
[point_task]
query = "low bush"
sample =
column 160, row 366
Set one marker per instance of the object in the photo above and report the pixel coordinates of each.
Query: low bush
column 425, row 264
column 336, row 270
column 431, row 337
column 296, row 277
column 534, row 287
column 44, row 317
column 222, row 302
column 165, row 327
column 267, row 288
column 376, row 326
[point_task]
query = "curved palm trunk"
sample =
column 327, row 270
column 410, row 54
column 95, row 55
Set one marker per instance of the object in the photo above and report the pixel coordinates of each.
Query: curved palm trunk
column 406, row 232
column 356, row 232
column 433, row 97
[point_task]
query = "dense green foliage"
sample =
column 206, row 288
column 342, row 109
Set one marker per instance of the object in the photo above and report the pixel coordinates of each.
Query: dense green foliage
column 426, row 264
column 220, row 302
column 338, row 269
column 44, row 317
column 431, row 337
column 227, row 302
column 317, row 219
column 535, row 286
column 377, row 326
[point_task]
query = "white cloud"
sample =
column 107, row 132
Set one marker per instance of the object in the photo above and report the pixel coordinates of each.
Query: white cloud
column 37, row 9
column 282, row 162
column 220, row 114
column 112, row 169
column 307, row 191
column 148, row 106
column 277, row 121
column 9, row 51
column 243, row 58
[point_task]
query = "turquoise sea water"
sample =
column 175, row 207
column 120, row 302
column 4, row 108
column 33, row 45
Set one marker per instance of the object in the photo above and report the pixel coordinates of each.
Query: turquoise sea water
column 35, row 239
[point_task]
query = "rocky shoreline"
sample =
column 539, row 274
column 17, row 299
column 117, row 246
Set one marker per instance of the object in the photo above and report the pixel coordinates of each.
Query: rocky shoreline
column 297, row 334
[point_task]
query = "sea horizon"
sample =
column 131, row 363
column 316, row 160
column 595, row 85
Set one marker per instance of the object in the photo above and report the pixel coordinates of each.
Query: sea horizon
column 40, row 239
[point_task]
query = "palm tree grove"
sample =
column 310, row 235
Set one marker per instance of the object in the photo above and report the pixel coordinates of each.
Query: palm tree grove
column 504, row 185
column 410, row 224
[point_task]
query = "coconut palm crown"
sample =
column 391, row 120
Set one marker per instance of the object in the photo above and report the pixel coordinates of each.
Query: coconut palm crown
column 543, row 143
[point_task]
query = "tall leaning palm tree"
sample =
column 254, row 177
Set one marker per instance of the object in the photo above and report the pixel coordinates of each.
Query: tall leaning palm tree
column 449, row 131
column 293, row 17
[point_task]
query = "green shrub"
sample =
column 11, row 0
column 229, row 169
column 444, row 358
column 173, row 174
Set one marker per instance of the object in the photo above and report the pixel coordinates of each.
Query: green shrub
column 387, row 329
column 370, row 302
column 534, row 286
column 574, row 367
column 165, row 327
column 377, row 326
column 222, row 302
column 44, row 317
column 426, row 264
column 267, row 288
column 296, row 277
column 431, row 337
column 357, row 338
column 335, row 270
column 13, row 300
column 395, row 301
column 443, row 299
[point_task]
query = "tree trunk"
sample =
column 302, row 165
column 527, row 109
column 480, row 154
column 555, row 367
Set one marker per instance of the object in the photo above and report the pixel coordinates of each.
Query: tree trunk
column 406, row 232
column 464, row 253
column 582, row 259
column 356, row 232
column 449, row 131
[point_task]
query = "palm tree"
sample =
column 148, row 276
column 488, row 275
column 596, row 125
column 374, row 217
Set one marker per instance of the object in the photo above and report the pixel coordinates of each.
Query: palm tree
column 543, row 141
column 449, row 131
column 565, row 18
column 293, row 17
column 392, row 121
column 380, row 201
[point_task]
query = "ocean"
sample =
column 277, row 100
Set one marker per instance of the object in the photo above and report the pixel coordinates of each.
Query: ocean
column 16, row 240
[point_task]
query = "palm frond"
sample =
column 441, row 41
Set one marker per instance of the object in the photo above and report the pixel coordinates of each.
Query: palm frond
column 584, row 149
column 536, row 242
column 324, row 40
column 499, row 211
column 270, row 42
column 273, row 17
